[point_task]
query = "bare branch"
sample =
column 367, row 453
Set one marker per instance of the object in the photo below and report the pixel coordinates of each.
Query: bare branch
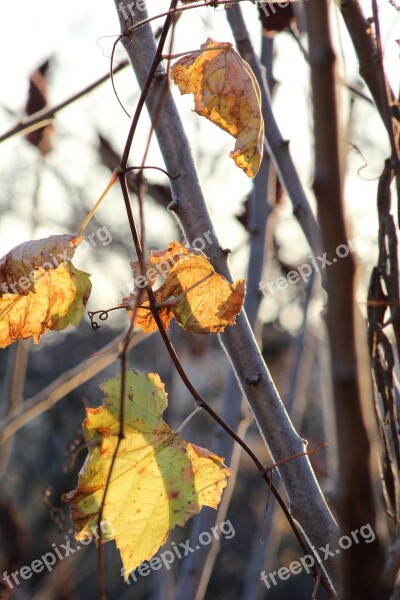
column 64, row 384
column 306, row 500
column 197, row 567
column 361, row 36
column 370, row 56
column 277, row 146
column 350, row 366
column 45, row 116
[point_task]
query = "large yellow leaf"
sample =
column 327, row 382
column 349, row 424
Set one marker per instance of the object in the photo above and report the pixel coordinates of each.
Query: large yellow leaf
column 158, row 480
column 200, row 299
column 41, row 288
column 227, row 93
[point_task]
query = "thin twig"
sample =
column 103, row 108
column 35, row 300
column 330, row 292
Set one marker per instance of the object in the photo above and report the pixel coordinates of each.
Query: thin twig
column 138, row 240
column 355, row 500
column 38, row 119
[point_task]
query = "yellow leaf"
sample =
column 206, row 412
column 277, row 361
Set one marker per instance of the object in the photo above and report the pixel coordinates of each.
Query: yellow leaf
column 47, row 291
column 145, row 321
column 227, row 93
column 158, row 263
column 158, row 480
column 200, row 299
column 174, row 250
column 48, row 253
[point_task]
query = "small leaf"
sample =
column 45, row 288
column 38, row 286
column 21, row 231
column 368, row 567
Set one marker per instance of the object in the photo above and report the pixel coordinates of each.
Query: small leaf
column 158, row 480
column 200, row 299
column 227, row 93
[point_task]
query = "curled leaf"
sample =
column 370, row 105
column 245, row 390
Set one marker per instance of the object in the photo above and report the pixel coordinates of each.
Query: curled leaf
column 41, row 289
column 47, row 253
column 200, row 299
column 227, row 93
column 158, row 479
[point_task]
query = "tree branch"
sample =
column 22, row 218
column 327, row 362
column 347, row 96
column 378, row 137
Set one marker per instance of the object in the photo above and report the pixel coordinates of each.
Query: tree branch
column 307, row 503
column 362, row 564
column 38, row 119
column 277, row 146
column 65, row 383
column 370, row 56
column 361, row 36
column 197, row 567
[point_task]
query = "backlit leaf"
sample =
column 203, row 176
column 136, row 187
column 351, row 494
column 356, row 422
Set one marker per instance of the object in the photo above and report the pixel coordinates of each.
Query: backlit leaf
column 21, row 261
column 158, row 480
column 227, row 93
column 200, row 299
column 41, row 289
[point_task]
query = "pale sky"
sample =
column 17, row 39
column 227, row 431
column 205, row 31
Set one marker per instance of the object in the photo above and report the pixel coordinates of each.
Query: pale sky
column 79, row 36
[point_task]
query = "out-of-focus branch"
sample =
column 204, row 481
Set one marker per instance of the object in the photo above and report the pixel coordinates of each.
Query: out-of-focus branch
column 277, row 146
column 361, row 35
column 45, row 116
column 159, row 192
column 370, row 56
column 64, row 384
column 362, row 565
column 392, row 567
column 13, row 391
column 354, row 91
